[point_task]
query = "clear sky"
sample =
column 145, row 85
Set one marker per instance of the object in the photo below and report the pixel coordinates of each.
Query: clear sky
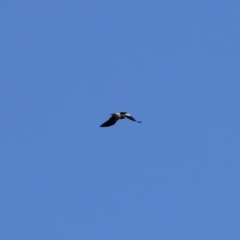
column 65, row 66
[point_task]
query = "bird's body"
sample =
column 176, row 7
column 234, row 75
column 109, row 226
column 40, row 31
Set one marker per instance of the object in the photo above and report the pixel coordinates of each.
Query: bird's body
column 116, row 116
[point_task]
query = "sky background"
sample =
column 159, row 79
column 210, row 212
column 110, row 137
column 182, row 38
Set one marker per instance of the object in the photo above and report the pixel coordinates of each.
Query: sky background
column 65, row 66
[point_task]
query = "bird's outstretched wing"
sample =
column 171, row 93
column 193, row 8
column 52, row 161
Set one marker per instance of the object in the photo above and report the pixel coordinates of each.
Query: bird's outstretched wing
column 130, row 117
column 111, row 121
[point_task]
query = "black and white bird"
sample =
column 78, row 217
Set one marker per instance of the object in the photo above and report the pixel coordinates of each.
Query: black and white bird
column 116, row 116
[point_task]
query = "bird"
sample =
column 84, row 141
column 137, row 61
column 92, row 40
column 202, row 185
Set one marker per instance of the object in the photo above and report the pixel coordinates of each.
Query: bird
column 116, row 116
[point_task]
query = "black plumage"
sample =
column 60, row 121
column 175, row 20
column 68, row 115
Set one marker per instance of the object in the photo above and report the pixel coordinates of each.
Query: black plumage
column 116, row 116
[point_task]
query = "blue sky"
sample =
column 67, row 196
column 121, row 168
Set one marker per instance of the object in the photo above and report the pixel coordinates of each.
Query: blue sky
column 65, row 66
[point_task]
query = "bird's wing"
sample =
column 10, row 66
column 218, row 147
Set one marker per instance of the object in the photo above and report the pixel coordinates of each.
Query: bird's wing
column 111, row 121
column 129, row 116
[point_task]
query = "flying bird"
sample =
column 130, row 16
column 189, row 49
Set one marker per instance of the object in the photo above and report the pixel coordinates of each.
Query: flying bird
column 116, row 116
